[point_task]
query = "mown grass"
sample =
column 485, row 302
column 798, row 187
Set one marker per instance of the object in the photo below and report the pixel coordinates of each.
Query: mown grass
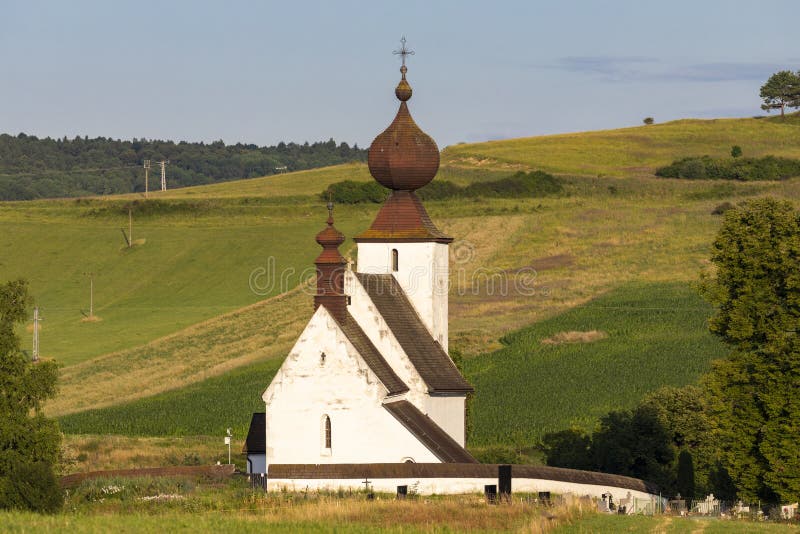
column 204, row 408
column 633, row 151
column 190, row 266
column 655, row 335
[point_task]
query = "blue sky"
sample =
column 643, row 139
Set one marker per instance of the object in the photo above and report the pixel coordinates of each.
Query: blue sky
column 261, row 72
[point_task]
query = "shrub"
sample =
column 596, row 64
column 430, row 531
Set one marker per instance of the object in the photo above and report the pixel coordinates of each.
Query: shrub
column 648, row 120
column 742, row 169
column 722, row 208
column 531, row 185
column 31, row 486
column 351, row 192
column 439, row 190
column 736, row 151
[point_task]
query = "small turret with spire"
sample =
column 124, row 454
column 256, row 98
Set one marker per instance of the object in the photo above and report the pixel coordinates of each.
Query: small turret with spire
column 331, row 266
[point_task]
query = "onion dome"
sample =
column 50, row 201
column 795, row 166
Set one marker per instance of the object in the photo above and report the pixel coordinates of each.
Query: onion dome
column 403, row 157
column 329, row 239
column 330, row 270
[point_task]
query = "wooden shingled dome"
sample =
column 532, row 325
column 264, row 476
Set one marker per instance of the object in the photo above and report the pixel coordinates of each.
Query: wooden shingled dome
column 403, row 157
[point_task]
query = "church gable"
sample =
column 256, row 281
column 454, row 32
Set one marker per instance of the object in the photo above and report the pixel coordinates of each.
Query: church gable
column 323, row 352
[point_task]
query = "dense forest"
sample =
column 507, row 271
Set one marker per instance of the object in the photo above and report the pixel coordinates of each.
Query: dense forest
column 46, row 168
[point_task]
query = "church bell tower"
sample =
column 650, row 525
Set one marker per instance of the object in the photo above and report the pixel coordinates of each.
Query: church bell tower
column 402, row 240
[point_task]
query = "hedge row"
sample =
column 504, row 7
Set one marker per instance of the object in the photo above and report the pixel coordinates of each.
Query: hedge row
column 529, row 185
column 744, row 169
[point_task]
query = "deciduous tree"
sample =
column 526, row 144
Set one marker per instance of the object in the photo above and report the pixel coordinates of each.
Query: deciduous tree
column 754, row 394
column 781, row 90
column 29, row 442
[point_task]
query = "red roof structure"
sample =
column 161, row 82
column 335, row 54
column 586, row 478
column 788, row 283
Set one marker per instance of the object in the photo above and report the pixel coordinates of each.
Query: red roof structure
column 403, row 158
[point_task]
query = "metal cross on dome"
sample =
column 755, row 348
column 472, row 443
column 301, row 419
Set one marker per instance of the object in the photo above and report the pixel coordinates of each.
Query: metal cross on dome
column 403, row 52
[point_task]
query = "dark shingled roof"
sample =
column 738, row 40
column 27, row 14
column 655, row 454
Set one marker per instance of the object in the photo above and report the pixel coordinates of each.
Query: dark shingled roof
column 429, row 433
column 468, row 470
column 256, row 442
column 431, row 361
column 371, row 355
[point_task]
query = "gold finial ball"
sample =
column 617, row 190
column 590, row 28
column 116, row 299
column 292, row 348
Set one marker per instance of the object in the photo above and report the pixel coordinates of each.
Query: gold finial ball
column 403, row 90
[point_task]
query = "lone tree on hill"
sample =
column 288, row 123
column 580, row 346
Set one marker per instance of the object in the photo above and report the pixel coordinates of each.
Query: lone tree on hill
column 29, row 443
column 754, row 394
column 781, row 90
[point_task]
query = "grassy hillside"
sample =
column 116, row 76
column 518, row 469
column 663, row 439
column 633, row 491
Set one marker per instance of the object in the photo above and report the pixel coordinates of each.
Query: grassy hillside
column 179, row 316
column 653, row 334
column 633, row 151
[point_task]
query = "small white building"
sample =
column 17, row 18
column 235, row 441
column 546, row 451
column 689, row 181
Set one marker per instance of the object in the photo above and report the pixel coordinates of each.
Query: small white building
column 370, row 380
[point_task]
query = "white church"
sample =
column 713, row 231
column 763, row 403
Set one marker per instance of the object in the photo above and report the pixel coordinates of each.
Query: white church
column 369, row 380
column 369, row 390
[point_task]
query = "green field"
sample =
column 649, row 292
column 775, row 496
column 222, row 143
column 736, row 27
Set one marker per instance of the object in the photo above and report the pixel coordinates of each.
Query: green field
column 635, row 151
column 650, row 335
column 181, row 327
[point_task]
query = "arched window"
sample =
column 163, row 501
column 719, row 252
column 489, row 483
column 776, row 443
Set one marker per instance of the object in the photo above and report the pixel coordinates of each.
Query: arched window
column 395, row 260
column 327, row 432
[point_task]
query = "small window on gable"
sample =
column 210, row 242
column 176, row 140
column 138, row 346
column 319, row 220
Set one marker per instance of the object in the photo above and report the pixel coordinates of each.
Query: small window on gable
column 395, row 260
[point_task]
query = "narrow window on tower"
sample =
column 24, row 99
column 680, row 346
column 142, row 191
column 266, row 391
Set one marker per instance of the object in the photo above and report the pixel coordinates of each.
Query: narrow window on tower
column 327, row 432
column 395, row 260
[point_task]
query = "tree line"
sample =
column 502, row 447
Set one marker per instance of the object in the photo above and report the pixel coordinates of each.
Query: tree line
column 33, row 168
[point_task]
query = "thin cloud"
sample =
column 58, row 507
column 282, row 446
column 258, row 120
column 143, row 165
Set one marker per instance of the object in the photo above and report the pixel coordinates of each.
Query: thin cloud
column 642, row 68
column 613, row 68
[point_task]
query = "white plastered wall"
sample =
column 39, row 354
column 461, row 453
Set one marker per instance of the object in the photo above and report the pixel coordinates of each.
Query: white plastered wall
column 344, row 388
column 448, row 412
column 444, row 486
column 423, row 273
column 374, row 326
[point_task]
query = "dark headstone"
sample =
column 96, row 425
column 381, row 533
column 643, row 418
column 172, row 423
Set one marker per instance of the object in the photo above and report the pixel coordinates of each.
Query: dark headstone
column 504, row 480
column 402, row 491
column 490, row 490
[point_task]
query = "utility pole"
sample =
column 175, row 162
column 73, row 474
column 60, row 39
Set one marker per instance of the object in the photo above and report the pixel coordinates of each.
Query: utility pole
column 228, row 437
column 146, row 177
column 163, row 164
column 36, row 320
column 130, row 228
column 91, row 295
